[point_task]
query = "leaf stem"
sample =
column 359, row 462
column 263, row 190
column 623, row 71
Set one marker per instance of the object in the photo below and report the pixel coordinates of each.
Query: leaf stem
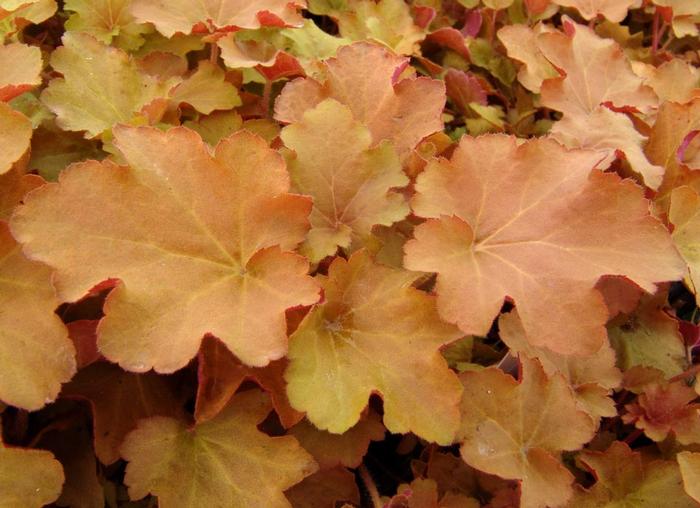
column 689, row 372
column 655, row 33
column 370, row 486
column 214, row 53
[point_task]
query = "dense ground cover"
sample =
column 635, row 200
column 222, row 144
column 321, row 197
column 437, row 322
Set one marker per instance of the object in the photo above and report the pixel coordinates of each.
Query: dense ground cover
column 435, row 253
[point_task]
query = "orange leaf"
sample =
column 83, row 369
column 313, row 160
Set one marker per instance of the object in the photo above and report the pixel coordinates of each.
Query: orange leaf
column 226, row 461
column 36, row 355
column 664, row 408
column 349, row 182
column 21, row 69
column 201, row 232
column 364, row 77
column 596, row 71
column 15, row 133
column 345, row 449
column 517, row 430
column 534, row 223
column 182, row 16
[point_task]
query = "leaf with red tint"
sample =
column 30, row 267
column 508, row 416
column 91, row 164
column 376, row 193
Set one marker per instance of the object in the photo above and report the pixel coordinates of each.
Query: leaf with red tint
column 620, row 294
column 535, row 223
column 325, row 488
column 202, row 466
column 221, row 374
column 183, row 16
column 464, row 89
column 347, row 449
column 517, row 430
column 666, row 408
column 403, row 111
column 201, row 232
column 119, row 400
column 83, row 333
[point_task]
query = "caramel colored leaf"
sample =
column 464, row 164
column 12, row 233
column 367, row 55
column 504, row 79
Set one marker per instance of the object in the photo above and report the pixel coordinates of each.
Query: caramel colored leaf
column 206, row 90
column 363, row 76
column 345, row 449
column 28, row 478
column 676, row 80
column 689, row 463
column 592, row 377
column 674, row 122
column 181, row 16
column 596, row 71
column 36, row 355
column 685, row 217
column 226, row 461
column 15, row 133
column 349, row 182
column 221, row 374
column 119, row 400
column 521, row 43
column 532, row 222
column 101, row 86
column 14, row 185
column 613, row 10
column 21, row 69
column 608, row 132
column 325, row 488
column 517, row 430
column 201, row 232
column 623, row 479
column 374, row 333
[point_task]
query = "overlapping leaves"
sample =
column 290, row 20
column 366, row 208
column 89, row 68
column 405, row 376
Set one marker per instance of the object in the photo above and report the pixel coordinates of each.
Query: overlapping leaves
column 302, row 196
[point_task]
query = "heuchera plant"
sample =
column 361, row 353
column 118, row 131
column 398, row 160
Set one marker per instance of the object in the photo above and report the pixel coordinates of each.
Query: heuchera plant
column 349, row 253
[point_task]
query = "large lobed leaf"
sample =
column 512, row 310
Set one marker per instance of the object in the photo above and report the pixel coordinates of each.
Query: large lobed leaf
column 201, row 232
column 536, row 223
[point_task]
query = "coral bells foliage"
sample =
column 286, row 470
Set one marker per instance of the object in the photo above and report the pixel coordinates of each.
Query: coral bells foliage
column 357, row 253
